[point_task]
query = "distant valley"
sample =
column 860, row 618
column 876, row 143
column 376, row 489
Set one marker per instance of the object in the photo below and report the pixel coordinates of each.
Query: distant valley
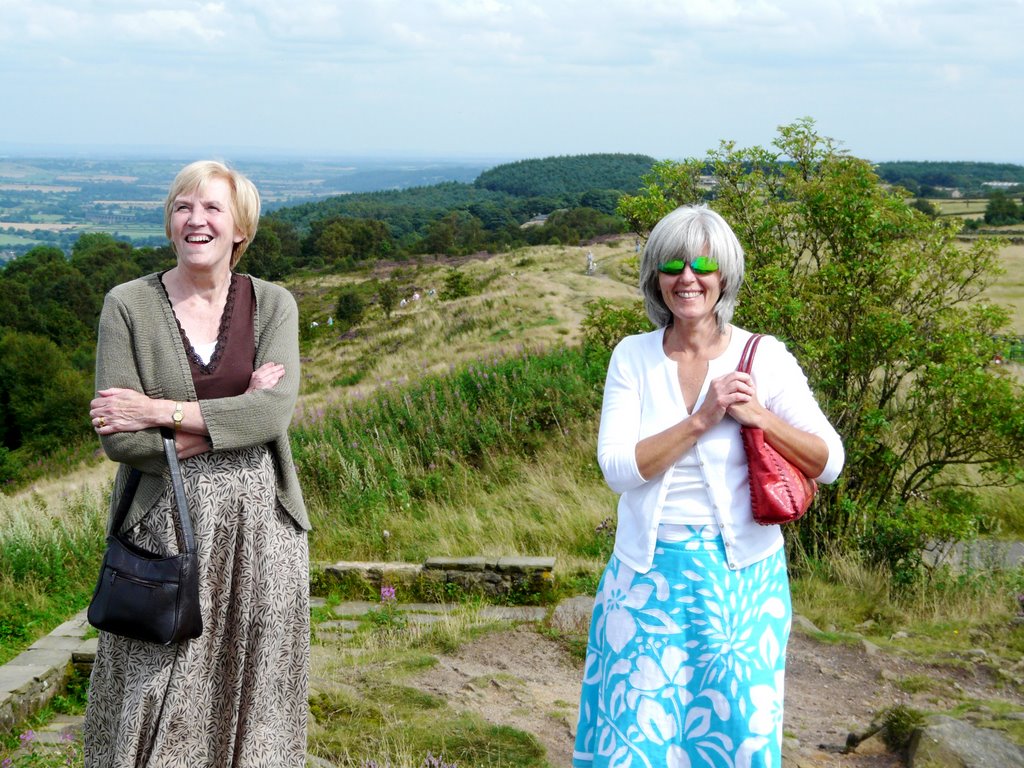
column 52, row 200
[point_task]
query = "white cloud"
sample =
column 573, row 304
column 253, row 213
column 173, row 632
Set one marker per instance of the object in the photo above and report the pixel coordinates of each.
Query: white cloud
column 662, row 76
column 207, row 24
column 473, row 11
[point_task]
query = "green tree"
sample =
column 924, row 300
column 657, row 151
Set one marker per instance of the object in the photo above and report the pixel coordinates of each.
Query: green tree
column 925, row 206
column 603, row 200
column 387, row 295
column 349, row 309
column 457, row 234
column 456, row 285
column 342, row 241
column 66, row 303
column 275, row 251
column 1002, row 210
column 154, row 259
column 43, row 399
column 884, row 310
column 574, row 226
column 105, row 260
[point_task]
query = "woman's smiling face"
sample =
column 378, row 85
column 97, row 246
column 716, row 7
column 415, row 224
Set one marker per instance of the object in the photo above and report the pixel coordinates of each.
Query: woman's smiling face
column 689, row 296
column 203, row 229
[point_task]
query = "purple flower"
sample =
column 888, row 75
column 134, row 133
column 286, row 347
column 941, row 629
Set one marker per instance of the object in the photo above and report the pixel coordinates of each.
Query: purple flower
column 387, row 594
column 27, row 737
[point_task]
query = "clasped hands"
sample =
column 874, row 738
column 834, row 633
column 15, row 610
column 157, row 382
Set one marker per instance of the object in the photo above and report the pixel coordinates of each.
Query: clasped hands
column 734, row 394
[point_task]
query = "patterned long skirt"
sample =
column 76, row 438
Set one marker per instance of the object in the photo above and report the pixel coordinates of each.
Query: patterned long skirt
column 685, row 663
column 237, row 695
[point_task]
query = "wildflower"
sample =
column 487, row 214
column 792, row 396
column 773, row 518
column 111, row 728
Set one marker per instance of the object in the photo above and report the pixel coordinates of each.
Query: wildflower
column 7, row 763
column 387, row 594
column 430, row 761
column 27, row 737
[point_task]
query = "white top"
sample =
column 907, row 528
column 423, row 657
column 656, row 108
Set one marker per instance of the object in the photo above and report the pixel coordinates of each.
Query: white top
column 687, row 501
column 205, row 351
column 642, row 397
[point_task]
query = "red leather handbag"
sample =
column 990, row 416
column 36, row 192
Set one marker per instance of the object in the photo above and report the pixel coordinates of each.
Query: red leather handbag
column 779, row 491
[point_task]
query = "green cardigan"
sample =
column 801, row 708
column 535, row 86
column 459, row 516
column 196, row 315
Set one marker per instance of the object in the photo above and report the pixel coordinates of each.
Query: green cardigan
column 140, row 348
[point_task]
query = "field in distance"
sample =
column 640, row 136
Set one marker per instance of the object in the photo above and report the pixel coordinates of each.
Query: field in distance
column 50, row 201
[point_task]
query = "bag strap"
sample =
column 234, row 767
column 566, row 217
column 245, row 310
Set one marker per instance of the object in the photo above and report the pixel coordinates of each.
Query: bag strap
column 187, row 541
column 181, row 503
column 747, row 358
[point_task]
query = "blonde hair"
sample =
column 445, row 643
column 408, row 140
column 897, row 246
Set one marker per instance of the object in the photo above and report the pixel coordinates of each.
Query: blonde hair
column 245, row 199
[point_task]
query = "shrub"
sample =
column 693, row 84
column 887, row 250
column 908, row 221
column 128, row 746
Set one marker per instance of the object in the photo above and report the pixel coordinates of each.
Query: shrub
column 349, row 309
column 456, row 285
column 606, row 324
column 886, row 313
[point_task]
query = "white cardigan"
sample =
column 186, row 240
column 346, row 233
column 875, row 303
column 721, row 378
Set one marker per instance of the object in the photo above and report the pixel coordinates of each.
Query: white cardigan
column 642, row 397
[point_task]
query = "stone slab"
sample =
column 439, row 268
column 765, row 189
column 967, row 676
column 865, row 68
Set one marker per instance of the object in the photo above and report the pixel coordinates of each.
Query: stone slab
column 456, row 563
column 354, row 608
column 400, row 570
column 76, row 627
column 428, row 607
column 86, row 651
column 56, row 643
column 525, row 564
column 15, row 678
column 572, row 615
column 362, row 565
column 48, row 658
column 425, row 618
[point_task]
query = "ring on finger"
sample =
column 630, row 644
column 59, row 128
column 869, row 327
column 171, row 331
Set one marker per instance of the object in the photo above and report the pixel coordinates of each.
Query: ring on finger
column 101, row 421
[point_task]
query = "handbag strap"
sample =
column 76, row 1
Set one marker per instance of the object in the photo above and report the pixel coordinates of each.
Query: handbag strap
column 187, row 540
column 747, row 358
column 181, row 503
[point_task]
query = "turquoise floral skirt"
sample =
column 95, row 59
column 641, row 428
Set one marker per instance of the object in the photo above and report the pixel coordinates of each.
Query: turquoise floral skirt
column 685, row 663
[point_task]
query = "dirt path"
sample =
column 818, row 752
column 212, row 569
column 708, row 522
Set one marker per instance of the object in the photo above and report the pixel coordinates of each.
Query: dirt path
column 521, row 678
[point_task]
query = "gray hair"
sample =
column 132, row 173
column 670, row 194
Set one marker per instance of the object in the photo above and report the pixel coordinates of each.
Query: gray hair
column 686, row 233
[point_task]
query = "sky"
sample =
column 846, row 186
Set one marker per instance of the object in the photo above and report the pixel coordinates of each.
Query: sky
column 510, row 79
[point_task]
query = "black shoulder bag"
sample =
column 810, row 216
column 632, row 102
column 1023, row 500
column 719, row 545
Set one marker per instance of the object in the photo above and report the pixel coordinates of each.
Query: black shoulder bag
column 141, row 594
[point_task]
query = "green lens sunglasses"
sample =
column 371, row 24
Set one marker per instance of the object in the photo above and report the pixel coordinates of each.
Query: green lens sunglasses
column 702, row 265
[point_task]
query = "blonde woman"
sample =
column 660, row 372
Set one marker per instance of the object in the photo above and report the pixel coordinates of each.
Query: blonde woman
column 212, row 354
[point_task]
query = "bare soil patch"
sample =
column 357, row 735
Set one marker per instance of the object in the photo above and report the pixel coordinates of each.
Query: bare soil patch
column 524, row 679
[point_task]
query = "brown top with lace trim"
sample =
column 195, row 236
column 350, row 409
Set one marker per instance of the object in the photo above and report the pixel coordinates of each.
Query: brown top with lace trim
column 231, row 366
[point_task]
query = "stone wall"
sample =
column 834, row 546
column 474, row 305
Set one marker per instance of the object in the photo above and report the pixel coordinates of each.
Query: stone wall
column 33, row 677
column 440, row 578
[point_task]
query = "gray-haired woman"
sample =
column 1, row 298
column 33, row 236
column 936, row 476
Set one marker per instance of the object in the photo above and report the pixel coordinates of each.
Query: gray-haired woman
column 212, row 354
column 686, row 654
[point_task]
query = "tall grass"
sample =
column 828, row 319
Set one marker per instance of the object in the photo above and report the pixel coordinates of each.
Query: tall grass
column 393, row 460
column 1006, row 506
column 49, row 559
column 946, row 610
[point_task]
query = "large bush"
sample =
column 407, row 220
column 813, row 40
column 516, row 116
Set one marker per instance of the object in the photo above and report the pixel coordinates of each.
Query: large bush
column 885, row 311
